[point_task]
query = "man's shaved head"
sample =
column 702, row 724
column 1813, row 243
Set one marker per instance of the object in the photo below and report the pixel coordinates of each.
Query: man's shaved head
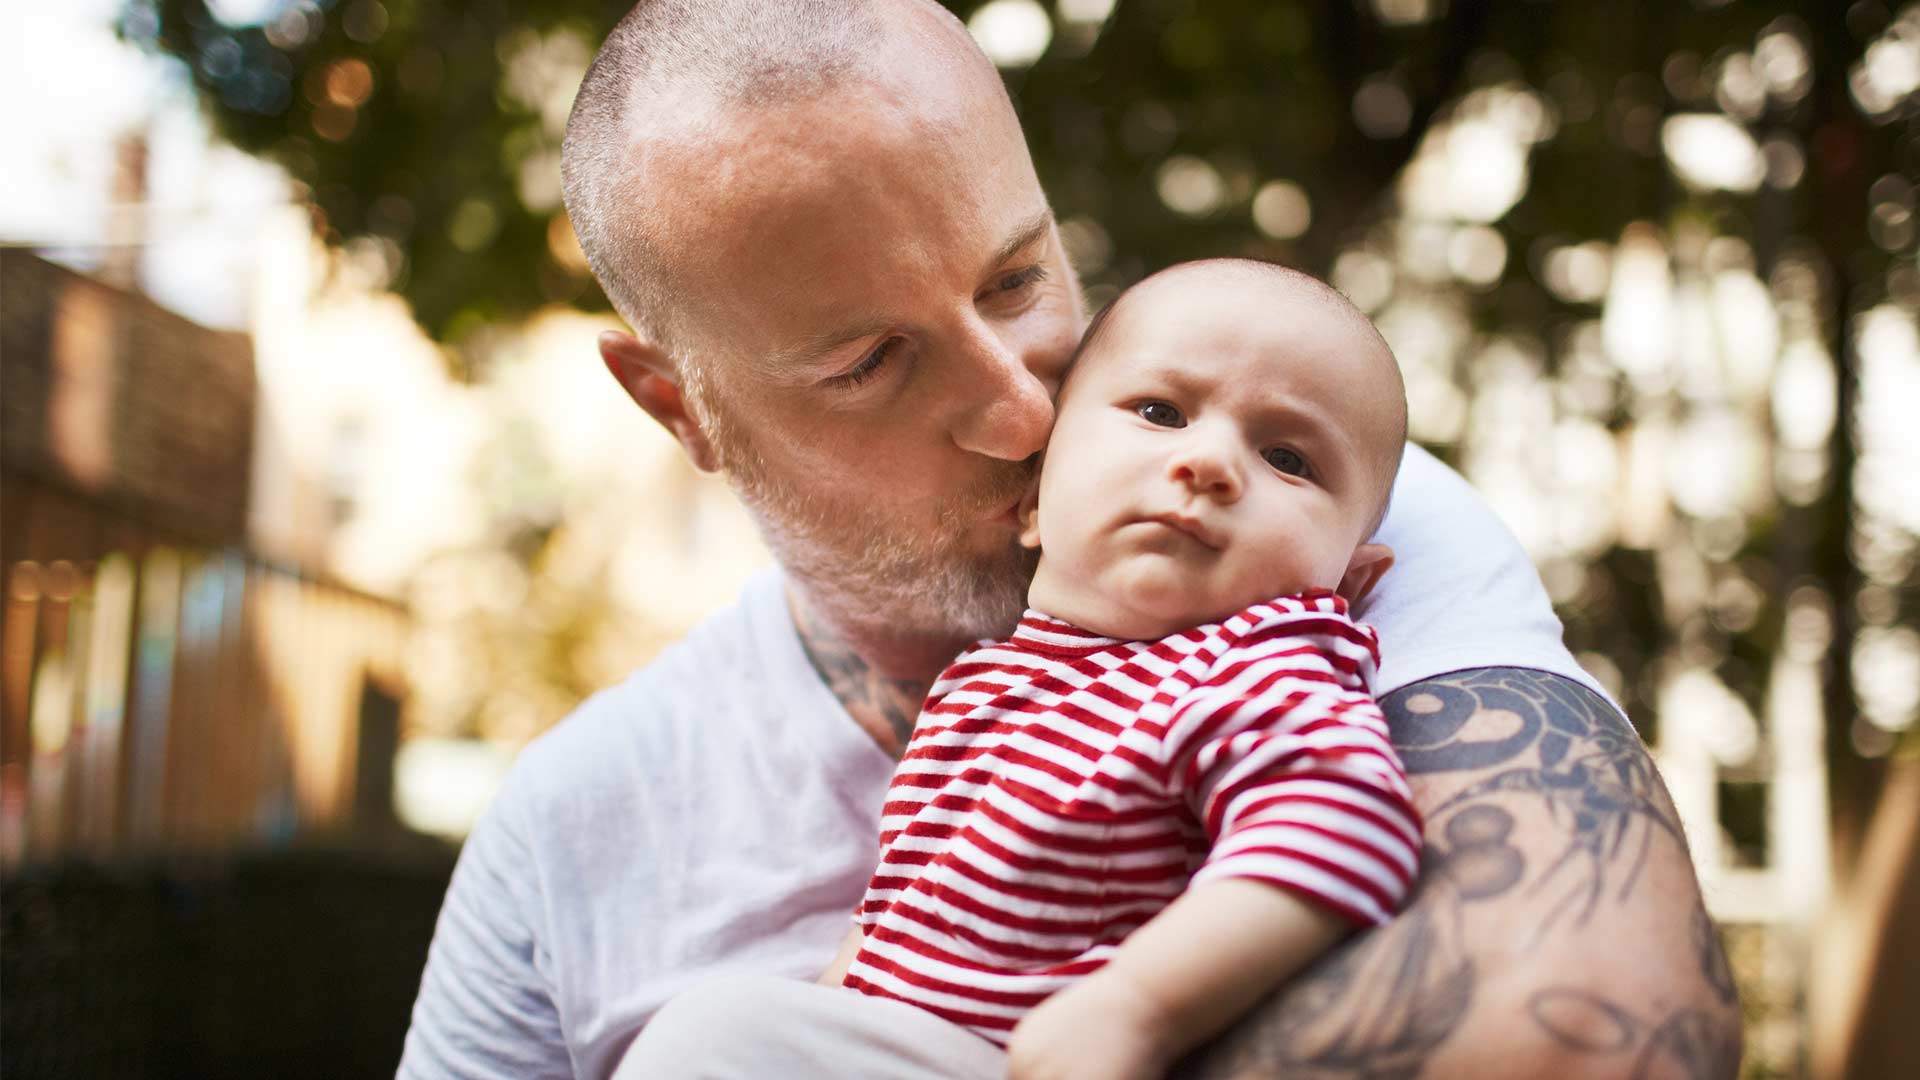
column 666, row 71
column 847, row 290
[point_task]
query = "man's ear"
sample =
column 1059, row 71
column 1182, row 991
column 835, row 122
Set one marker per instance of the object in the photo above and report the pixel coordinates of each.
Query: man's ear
column 647, row 374
column 1370, row 562
column 1029, row 515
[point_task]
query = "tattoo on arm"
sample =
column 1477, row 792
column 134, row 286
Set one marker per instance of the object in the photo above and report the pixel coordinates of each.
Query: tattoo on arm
column 1712, row 957
column 1590, row 773
column 1688, row 1042
column 1505, row 742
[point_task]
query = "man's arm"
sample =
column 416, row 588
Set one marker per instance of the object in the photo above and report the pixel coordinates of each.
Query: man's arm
column 1557, row 927
column 484, row 1009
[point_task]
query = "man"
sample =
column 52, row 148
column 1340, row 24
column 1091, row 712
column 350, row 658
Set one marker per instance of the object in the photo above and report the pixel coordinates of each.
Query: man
column 849, row 295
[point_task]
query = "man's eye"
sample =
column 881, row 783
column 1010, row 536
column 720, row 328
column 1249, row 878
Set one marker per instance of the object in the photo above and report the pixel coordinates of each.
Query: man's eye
column 1161, row 414
column 1286, row 461
column 868, row 366
column 1020, row 279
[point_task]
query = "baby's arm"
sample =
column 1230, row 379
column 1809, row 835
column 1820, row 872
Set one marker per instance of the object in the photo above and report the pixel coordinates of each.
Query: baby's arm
column 836, row 972
column 1177, row 981
column 1313, row 832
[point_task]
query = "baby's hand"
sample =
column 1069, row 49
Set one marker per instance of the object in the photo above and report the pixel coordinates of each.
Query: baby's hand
column 1100, row 1028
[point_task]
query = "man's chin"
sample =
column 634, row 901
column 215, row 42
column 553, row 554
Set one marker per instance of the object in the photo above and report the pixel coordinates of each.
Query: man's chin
column 968, row 594
column 972, row 589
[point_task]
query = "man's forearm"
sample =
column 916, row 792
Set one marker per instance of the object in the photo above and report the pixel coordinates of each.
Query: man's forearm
column 1557, row 926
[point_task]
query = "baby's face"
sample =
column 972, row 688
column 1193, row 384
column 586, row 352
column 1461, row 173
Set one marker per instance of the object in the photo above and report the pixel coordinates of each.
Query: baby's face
column 1225, row 439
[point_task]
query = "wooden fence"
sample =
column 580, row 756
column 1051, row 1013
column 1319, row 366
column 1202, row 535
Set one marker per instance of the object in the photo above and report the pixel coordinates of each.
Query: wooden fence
column 162, row 696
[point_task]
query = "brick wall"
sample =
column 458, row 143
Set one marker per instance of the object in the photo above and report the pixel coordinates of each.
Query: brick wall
column 104, row 391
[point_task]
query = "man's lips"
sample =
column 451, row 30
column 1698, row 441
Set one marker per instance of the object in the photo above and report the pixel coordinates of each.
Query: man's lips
column 1190, row 525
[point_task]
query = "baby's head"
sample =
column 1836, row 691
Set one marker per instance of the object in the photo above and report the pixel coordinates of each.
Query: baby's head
column 1229, row 432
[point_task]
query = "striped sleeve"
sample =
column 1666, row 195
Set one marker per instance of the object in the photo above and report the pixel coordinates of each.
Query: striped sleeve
column 1285, row 761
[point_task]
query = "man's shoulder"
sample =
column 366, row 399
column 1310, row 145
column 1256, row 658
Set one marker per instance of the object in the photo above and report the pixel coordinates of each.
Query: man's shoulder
column 692, row 686
column 1463, row 593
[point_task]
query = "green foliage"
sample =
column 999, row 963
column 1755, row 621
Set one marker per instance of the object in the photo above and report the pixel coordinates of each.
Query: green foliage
column 427, row 149
column 403, row 121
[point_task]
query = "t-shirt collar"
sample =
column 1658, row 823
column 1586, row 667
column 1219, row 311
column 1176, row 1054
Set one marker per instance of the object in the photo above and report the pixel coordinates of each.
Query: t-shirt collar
column 1038, row 630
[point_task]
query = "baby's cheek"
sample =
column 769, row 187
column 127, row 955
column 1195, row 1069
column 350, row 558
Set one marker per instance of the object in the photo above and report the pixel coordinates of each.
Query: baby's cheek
column 1286, row 569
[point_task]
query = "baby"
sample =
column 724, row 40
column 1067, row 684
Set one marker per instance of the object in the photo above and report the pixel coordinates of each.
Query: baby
column 1116, row 830
column 1169, row 790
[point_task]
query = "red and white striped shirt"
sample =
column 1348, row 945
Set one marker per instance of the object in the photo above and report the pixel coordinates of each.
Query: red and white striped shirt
column 1061, row 788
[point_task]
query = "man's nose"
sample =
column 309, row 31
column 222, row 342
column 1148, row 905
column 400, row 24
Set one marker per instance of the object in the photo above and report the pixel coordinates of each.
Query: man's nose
column 1010, row 409
column 1205, row 467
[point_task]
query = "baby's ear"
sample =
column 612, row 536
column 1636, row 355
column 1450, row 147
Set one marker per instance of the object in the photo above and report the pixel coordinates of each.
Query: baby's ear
column 1029, row 514
column 1370, row 562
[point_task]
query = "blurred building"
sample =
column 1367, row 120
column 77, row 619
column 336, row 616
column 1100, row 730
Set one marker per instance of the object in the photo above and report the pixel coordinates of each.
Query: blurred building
column 167, row 688
column 545, row 537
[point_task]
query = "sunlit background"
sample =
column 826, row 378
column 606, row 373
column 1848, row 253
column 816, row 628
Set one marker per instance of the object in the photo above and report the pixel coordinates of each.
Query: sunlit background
column 318, row 504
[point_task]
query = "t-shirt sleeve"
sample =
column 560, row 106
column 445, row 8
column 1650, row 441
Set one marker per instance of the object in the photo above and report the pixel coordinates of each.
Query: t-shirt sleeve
column 1462, row 592
column 1290, row 771
column 485, row 1009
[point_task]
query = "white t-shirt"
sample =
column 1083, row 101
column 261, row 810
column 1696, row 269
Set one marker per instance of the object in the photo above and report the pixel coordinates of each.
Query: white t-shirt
column 718, row 811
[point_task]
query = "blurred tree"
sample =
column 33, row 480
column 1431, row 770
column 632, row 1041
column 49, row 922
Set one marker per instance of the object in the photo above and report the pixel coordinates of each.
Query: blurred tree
column 427, row 132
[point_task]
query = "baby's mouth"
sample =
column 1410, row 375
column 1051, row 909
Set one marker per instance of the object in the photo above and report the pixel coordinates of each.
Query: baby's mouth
column 1200, row 531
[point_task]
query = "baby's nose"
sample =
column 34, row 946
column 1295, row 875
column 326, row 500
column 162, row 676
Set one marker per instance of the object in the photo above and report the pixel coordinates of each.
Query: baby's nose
column 1205, row 470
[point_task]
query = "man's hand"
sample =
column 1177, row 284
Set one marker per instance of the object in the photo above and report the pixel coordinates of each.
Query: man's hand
column 1557, row 928
column 1101, row 1027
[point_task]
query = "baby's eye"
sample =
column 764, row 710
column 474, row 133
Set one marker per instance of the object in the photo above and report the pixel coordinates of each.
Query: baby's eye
column 1160, row 413
column 1286, row 461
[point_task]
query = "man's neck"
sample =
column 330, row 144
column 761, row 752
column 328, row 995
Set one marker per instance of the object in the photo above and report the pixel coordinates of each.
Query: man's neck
column 880, row 673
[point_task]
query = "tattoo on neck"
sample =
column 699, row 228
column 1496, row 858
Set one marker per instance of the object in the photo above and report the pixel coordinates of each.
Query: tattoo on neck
column 885, row 707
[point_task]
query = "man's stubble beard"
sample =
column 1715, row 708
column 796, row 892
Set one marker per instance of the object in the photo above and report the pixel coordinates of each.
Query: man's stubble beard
column 922, row 576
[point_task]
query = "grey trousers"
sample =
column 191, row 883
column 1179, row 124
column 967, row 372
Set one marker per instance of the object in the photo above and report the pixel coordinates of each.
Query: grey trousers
column 753, row 1026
